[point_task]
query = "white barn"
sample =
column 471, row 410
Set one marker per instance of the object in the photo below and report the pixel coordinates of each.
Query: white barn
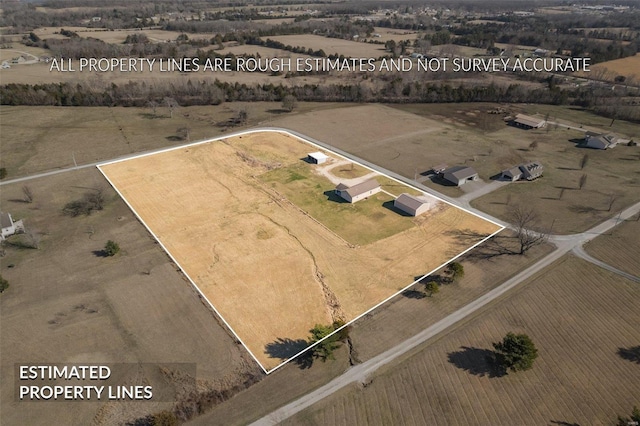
column 411, row 205
column 358, row 192
column 317, row 157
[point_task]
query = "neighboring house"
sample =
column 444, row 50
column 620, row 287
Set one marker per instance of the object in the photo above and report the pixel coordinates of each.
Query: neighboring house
column 528, row 171
column 459, row 175
column 600, row 141
column 317, row 158
column 411, row 205
column 96, row 19
column 9, row 227
column 358, row 192
column 528, row 122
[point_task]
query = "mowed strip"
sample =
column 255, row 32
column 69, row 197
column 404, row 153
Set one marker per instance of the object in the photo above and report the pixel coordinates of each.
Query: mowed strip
column 270, row 250
column 218, row 228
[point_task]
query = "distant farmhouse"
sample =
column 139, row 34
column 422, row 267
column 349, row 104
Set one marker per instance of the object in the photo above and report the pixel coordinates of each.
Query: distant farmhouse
column 9, row 227
column 527, row 122
column 411, row 205
column 317, row 158
column 459, row 175
column 601, row 141
column 528, row 171
column 358, row 192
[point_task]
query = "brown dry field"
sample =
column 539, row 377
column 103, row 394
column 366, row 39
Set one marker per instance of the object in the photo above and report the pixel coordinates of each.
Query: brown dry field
column 66, row 304
column 40, row 74
column 43, row 138
column 628, row 67
column 412, row 138
column 307, row 274
column 395, row 321
column 387, row 34
column 333, row 45
column 620, row 247
column 579, row 317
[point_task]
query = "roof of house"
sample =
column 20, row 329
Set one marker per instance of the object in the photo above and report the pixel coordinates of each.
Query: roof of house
column 341, row 187
column 5, row 220
column 409, row 201
column 531, row 166
column 513, row 171
column 605, row 139
column 528, row 120
column 461, row 172
column 360, row 188
column 318, row 155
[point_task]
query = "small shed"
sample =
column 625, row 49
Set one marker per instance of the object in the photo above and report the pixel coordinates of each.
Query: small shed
column 528, row 122
column 317, row 157
column 459, row 175
column 411, row 205
column 358, row 192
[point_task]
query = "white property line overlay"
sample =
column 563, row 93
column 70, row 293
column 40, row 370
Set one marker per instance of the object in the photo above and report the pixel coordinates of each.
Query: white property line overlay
column 283, row 131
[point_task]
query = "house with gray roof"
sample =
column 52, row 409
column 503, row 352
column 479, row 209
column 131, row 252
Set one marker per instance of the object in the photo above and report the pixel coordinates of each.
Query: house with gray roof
column 359, row 191
column 529, row 171
column 600, row 141
column 459, row 175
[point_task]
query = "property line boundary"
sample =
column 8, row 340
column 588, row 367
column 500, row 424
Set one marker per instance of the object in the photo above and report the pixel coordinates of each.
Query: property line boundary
column 322, row 147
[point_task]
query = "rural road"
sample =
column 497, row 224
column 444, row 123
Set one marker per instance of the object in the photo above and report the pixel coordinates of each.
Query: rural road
column 362, row 372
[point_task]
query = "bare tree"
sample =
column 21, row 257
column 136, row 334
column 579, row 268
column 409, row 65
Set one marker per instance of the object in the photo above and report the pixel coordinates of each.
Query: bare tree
column 533, row 145
column 184, row 133
column 523, row 219
column 172, row 104
column 583, row 181
column 612, row 200
column 561, row 193
column 28, row 194
column 289, row 102
column 584, row 161
column 154, row 106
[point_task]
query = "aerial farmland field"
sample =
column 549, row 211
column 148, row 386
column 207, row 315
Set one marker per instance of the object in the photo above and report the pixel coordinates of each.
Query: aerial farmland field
column 228, row 213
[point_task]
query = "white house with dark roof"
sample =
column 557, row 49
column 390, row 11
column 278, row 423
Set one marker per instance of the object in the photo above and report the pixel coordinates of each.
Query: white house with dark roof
column 9, row 227
column 459, row 175
column 411, row 205
column 358, row 192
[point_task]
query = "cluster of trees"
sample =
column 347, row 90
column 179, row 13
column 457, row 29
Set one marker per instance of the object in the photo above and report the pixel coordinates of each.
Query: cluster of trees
column 273, row 44
column 515, row 352
column 395, row 89
column 90, row 201
column 324, row 350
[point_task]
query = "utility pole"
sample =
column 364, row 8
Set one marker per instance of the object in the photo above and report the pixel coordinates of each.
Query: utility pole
column 73, row 155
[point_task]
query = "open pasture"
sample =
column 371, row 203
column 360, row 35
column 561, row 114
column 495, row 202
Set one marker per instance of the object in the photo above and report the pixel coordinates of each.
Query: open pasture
column 583, row 321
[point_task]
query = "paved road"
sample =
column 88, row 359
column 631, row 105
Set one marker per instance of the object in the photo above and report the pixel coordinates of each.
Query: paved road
column 362, row 372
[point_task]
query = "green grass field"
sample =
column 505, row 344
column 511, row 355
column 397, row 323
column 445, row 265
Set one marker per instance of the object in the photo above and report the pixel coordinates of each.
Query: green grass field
column 360, row 223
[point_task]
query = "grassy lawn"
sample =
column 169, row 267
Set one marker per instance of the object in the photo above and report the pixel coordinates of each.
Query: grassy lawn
column 360, row 223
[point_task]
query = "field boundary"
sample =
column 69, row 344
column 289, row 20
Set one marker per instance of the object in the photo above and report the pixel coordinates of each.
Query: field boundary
column 309, row 142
